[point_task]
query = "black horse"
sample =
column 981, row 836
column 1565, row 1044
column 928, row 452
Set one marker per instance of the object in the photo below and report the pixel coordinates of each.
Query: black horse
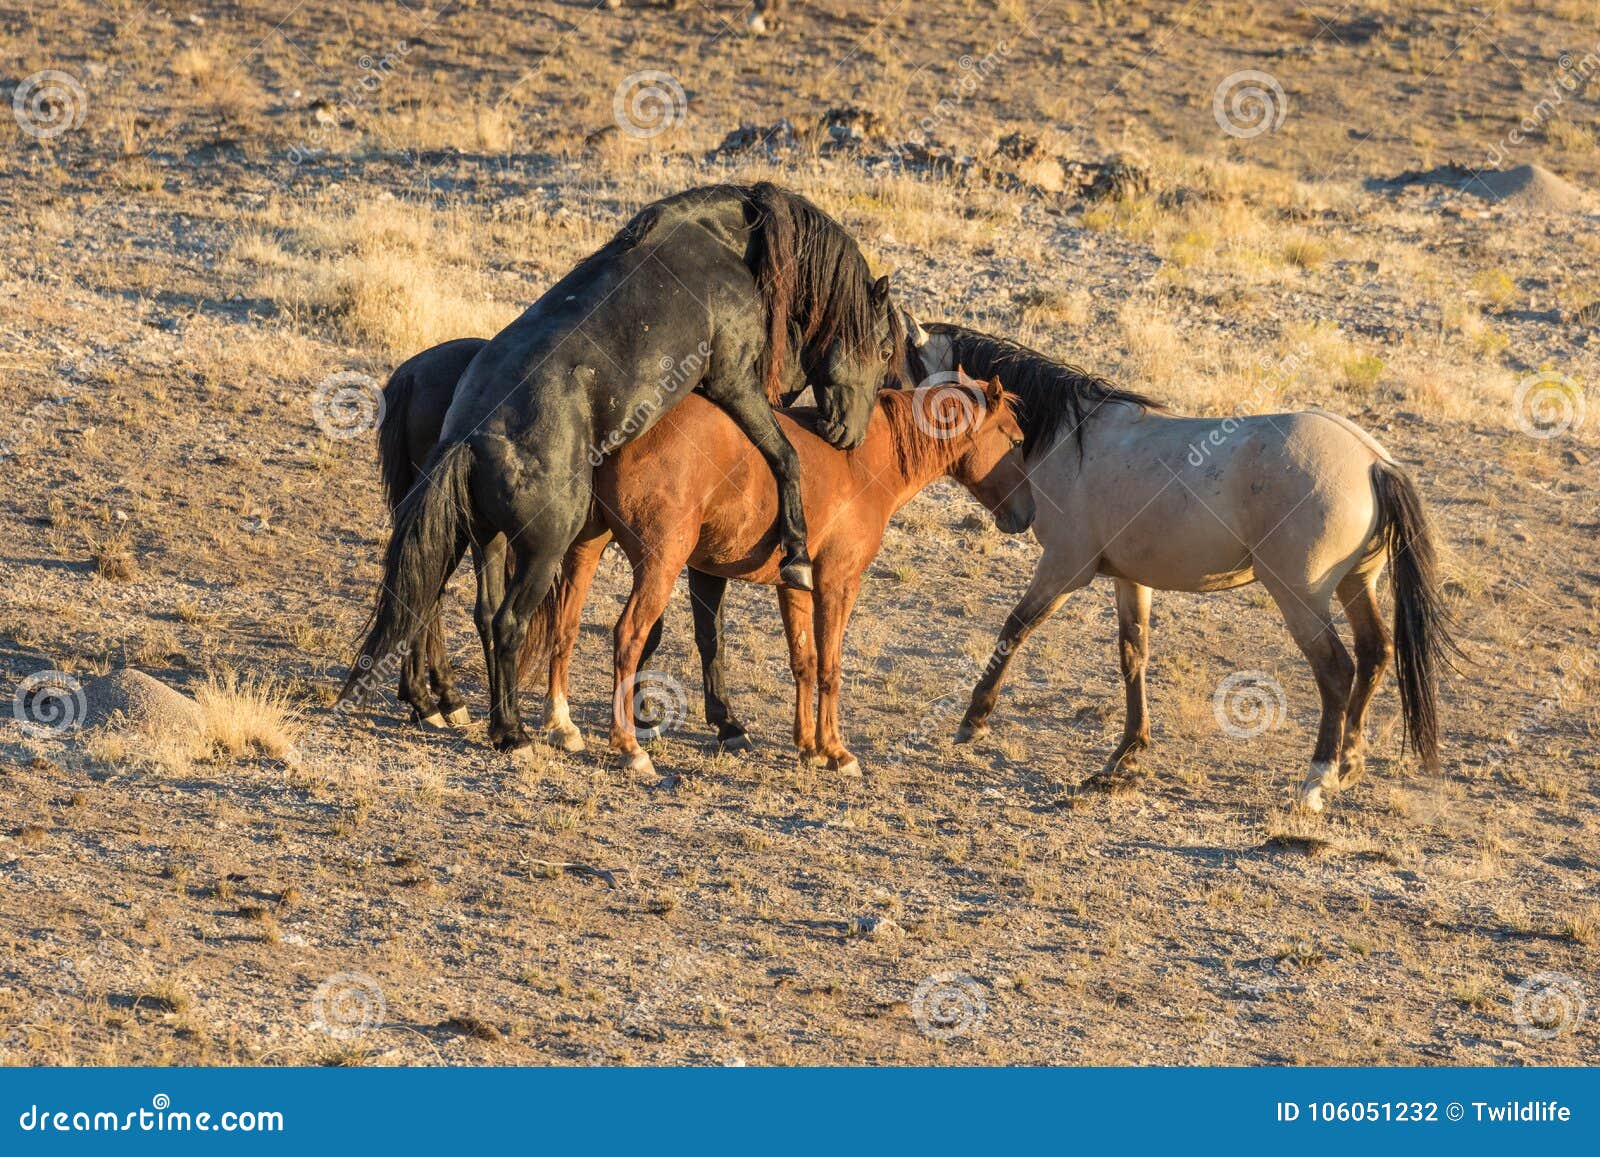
column 739, row 292
column 415, row 400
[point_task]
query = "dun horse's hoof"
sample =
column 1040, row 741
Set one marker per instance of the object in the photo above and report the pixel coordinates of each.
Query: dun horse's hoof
column 568, row 739
column 736, row 744
column 797, row 575
column 436, row 721
column 968, row 732
column 460, row 717
column 1322, row 780
column 1351, row 771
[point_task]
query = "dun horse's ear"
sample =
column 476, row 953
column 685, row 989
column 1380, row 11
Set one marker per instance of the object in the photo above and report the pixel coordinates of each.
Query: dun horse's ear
column 880, row 291
column 962, row 379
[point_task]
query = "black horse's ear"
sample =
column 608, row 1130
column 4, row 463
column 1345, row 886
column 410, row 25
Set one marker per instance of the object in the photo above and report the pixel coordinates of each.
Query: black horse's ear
column 880, row 291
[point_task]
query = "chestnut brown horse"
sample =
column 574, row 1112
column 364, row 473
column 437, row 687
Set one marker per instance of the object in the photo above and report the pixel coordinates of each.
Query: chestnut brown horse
column 691, row 491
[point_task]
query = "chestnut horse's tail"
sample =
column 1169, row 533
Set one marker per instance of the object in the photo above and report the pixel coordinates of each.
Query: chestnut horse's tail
column 1422, row 641
column 429, row 538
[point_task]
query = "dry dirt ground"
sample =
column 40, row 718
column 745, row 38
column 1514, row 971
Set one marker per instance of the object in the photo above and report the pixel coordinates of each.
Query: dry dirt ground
column 223, row 205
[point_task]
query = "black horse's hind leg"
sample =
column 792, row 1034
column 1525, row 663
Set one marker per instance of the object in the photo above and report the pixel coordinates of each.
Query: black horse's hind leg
column 414, row 683
column 489, row 563
column 706, row 593
column 753, row 415
column 442, row 679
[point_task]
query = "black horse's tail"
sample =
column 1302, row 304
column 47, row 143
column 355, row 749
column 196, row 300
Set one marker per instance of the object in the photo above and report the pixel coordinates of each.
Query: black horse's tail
column 394, row 456
column 1422, row 641
column 429, row 538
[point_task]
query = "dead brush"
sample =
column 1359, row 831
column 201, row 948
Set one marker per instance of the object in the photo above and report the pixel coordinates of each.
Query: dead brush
column 246, row 715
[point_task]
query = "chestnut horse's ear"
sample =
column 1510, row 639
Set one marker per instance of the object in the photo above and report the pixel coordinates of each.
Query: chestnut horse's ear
column 880, row 291
column 995, row 392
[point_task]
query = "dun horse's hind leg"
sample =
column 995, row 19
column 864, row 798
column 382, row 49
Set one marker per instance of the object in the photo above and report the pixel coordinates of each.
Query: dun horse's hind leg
column 1311, row 623
column 1133, row 646
column 1359, row 594
column 800, row 633
column 1044, row 596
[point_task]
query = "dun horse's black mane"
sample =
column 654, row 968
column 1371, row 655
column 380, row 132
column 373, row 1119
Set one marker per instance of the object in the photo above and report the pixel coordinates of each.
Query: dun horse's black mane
column 814, row 281
column 1053, row 397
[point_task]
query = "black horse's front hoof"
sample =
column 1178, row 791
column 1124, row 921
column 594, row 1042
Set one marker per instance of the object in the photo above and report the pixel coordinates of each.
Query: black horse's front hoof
column 797, row 575
column 736, row 743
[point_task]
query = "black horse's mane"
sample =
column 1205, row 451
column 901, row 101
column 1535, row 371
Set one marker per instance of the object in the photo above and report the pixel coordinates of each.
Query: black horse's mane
column 815, row 283
column 1053, row 397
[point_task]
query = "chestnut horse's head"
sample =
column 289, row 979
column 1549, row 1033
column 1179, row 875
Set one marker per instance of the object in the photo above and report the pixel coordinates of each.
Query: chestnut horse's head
column 982, row 440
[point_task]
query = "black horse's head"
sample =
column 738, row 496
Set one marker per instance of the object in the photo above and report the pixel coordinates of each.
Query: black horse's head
column 821, row 298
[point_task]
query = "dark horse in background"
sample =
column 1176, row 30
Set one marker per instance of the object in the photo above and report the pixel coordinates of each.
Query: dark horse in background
column 415, row 400
column 732, row 291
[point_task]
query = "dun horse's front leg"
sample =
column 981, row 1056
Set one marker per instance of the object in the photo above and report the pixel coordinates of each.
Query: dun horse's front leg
column 1045, row 594
column 753, row 414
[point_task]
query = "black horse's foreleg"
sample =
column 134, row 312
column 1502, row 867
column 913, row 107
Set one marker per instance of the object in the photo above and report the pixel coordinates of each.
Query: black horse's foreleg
column 752, row 413
column 706, row 593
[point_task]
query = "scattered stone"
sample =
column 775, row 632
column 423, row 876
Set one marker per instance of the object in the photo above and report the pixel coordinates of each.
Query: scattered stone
column 129, row 697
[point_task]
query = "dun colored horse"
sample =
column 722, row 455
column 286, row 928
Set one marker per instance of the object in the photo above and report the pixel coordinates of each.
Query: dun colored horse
column 1308, row 504
column 692, row 491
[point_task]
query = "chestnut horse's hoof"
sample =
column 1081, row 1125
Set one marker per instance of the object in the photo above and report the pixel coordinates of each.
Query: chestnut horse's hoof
column 850, row 768
column 968, row 731
column 568, row 739
column 460, row 717
column 797, row 575
column 639, row 761
column 813, row 759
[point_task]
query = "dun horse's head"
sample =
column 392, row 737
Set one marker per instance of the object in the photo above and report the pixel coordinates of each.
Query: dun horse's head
column 848, row 375
column 988, row 458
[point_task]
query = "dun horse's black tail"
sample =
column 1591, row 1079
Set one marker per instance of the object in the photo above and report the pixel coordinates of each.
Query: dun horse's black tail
column 429, row 538
column 394, row 456
column 1422, row 642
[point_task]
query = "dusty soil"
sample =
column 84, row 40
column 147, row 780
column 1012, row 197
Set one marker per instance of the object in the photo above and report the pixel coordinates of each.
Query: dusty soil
column 247, row 200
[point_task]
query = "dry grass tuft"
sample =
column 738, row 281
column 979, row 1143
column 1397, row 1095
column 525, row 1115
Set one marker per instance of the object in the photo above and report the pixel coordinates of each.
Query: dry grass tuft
column 245, row 716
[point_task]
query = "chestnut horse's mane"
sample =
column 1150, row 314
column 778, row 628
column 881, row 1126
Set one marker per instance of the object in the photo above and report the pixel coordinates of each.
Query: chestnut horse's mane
column 917, row 448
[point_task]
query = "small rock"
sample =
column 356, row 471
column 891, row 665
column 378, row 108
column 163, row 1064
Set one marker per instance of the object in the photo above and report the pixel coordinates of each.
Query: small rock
column 1574, row 457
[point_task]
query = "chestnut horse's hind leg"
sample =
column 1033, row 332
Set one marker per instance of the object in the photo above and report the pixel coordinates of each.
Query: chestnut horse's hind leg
column 1044, row 596
column 652, row 588
column 1374, row 650
column 572, row 589
column 1133, row 647
column 1311, row 623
